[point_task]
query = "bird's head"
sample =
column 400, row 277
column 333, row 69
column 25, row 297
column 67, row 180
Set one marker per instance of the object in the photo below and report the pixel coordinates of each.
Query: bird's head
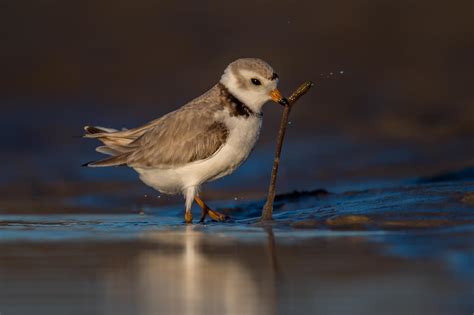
column 253, row 82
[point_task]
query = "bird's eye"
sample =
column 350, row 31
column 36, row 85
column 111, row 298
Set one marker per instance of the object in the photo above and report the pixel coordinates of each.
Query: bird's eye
column 256, row 81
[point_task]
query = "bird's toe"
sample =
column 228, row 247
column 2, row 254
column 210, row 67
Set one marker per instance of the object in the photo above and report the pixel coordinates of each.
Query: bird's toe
column 217, row 216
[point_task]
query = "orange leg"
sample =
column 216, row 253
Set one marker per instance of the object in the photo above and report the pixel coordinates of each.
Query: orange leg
column 189, row 194
column 188, row 217
column 205, row 210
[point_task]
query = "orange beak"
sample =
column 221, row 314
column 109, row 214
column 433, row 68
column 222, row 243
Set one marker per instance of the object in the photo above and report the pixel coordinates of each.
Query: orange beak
column 278, row 98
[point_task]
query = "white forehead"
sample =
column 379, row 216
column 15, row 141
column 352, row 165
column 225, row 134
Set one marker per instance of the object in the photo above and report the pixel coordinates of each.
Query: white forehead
column 245, row 75
column 251, row 74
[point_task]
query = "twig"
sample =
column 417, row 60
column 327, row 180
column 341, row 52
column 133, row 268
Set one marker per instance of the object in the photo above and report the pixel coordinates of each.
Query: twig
column 268, row 208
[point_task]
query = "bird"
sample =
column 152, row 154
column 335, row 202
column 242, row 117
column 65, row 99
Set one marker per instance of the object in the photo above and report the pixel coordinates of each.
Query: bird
column 205, row 139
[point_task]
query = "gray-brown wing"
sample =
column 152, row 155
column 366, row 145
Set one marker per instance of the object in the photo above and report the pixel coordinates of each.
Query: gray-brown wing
column 181, row 137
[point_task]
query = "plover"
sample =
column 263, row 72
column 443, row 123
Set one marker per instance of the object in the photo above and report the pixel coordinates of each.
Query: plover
column 206, row 139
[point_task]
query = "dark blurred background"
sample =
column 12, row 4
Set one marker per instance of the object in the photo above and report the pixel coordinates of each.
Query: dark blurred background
column 394, row 94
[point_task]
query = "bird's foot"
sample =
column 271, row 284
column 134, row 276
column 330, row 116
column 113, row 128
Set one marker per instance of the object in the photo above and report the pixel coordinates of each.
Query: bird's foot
column 217, row 216
column 188, row 217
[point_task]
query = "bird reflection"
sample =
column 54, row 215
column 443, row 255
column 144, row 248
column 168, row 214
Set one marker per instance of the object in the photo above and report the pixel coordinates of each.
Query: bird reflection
column 192, row 271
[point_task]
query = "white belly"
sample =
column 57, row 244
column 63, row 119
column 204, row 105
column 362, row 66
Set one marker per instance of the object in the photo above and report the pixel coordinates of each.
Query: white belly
column 243, row 134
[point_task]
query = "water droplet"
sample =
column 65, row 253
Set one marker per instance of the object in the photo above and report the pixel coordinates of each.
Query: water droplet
column 341, row 72
column 235, row 198
column 330, row 73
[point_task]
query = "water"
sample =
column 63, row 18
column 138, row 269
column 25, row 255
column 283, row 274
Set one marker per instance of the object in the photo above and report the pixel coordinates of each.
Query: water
column 406, row 249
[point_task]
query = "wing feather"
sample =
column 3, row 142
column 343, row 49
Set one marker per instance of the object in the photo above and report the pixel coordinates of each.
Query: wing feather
column 188, row 134
column 181, row 137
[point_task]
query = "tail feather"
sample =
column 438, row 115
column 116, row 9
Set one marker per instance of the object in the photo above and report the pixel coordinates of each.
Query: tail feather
column 114, row 145
column 97, row 129
column 107, row 150
column 111, row 161
column 117, row 143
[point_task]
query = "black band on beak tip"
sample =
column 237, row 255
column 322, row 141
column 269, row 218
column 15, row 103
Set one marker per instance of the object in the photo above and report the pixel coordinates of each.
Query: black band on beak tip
column 283, row 102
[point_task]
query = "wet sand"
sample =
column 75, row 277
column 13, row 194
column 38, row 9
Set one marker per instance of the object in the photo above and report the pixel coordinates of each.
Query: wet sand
column 398, row 250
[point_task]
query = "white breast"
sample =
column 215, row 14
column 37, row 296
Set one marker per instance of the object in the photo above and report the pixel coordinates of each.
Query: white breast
column 243, row 134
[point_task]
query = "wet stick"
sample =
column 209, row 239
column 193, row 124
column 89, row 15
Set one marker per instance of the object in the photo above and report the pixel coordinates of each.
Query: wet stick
column 268, row 207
